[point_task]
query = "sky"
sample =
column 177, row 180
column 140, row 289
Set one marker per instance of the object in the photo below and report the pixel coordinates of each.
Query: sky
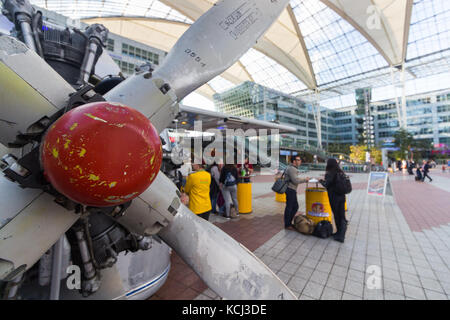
column 198, row 101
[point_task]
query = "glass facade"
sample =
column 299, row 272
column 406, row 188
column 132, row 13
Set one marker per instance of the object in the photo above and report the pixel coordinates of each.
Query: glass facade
column 100, row 8
column 258, row 102
column 342, row 60
column 428, row 116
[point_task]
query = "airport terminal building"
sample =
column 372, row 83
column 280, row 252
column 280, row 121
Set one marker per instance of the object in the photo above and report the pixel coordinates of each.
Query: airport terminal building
column 427, row 116
column 116, row 182
column 427, row 113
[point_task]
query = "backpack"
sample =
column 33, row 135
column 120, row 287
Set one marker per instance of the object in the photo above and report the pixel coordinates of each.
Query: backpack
column 343, row 183
column 230, row 180
column 303, row 224
column 323, row 229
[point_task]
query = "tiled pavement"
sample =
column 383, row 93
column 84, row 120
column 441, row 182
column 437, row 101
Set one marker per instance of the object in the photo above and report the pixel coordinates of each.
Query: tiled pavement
column 409, row 248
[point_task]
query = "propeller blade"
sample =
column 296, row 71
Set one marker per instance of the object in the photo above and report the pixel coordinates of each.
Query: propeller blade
column 215, row 41
column 26, row 96
column 225, row 265
column 30, row 223
column 209, row 47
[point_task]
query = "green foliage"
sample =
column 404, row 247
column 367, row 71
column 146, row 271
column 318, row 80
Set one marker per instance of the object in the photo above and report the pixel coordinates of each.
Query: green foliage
column 358, row 153
column 406, row 142
column 375, row 153
column 403, row 140
column 339, row 148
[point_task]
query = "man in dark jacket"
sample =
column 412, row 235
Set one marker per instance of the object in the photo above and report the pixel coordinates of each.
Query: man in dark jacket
column 291, row 191
column 426, row 169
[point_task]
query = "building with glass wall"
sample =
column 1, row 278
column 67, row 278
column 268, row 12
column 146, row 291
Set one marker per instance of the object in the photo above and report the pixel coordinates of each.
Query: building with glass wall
column 338, row 70
column 129, row 54
column 252, row 100
column 428, row 116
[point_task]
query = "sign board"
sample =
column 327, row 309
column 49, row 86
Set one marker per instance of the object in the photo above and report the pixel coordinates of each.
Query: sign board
column 379, row 184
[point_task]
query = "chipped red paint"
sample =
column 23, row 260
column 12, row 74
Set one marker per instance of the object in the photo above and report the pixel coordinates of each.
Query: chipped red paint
column 101, row 154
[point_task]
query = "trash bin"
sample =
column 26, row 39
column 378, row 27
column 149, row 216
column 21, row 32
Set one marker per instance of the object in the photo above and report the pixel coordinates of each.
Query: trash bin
column 244, row 195
column 317, row 203
column 280, row 197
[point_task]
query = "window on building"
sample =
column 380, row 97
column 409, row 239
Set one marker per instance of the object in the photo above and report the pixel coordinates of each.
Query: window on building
column 444, row 119
column 420, row 121
column 343, row 121
column 388, row 124
column 124, row 48
column 418, row 111
column 127, row 68
column 444, row 130
column 443, row 108
column 385, row 134
column 110, row 45
column 426, row 131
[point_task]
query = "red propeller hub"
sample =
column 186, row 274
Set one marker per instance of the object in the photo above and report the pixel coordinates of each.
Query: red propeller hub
column 101, row 154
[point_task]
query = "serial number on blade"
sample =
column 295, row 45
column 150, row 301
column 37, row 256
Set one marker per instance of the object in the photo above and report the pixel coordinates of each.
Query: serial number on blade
column 195, row 57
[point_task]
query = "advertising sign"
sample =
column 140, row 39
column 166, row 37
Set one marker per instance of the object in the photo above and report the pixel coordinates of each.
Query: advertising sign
column 377, row 183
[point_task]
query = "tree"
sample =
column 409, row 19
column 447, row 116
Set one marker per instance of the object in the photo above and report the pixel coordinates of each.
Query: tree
column 404, row 140
column 375, row 153
column 358, row 153
column 338, row 148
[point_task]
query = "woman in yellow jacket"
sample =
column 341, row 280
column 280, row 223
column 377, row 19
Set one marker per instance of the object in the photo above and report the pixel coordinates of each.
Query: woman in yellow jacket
column 197, row 188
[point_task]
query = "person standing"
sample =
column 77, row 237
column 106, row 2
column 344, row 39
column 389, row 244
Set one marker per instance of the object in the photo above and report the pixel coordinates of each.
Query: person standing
column 248, row 167
column 411, row 166
column 337, row 200
column 197, row 188
column 214, row 190
column 228, row 185
column 419, row 175
column 292, row 174
column 426, row 169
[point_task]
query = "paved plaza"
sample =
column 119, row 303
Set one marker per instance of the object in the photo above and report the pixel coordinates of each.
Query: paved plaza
column 396, row 247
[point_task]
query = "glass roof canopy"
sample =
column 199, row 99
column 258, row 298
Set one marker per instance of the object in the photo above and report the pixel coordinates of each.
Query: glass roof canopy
column 336, row 49
column 342, row 58
column 82, row 9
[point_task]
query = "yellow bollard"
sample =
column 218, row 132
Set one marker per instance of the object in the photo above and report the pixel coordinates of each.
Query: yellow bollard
column 280, row 197
column 318, row 205
column 244, row 197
